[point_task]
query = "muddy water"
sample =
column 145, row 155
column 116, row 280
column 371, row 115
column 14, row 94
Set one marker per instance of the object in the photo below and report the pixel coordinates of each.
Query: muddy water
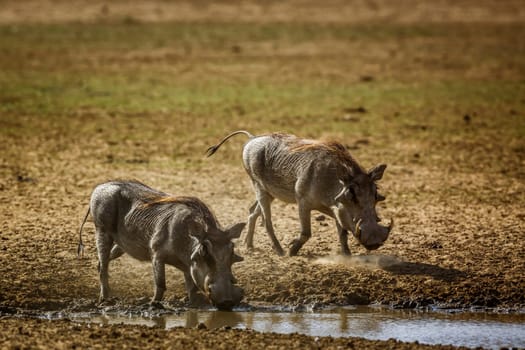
column 472, row 329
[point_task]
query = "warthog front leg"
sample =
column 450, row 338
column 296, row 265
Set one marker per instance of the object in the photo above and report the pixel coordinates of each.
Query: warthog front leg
column 306, row 230
column 159, row 276
column 343, row 239
column 196, row 298
column 104, row 244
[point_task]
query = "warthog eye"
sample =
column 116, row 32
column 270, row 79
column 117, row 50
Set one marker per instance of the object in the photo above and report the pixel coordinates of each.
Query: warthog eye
column 201, row 254
column 352, row 194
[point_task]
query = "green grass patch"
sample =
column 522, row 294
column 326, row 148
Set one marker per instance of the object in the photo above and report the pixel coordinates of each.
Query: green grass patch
column 160, row 86
column 133, row 34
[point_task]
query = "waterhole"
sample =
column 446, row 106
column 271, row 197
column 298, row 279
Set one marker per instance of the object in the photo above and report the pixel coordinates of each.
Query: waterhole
column 471, row 329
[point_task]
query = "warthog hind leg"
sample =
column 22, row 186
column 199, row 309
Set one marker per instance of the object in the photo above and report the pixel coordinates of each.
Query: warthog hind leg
column 255, row 212
column 104, row 244
column 265, row 200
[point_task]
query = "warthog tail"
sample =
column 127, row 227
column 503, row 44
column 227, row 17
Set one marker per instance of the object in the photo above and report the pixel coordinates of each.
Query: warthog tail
column 211, row 150
column 80, row 249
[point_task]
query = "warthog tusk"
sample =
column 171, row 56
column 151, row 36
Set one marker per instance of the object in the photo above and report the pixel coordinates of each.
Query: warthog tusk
column 391, row 225
column 357, row 229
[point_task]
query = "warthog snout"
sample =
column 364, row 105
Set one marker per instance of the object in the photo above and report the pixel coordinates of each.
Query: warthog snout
column 372, row 236
column 225, row 297
column 373, row 246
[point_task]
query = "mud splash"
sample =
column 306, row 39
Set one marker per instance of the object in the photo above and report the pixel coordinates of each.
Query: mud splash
column 372, row 261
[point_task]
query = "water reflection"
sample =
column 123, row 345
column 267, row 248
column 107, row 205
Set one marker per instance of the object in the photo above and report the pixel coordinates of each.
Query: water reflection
column 214, row 319
column 460, row 329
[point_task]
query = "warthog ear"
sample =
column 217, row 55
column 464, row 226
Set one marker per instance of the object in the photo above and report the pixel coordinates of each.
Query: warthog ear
column 234, row 231
column 376, row 173
column 237, row 258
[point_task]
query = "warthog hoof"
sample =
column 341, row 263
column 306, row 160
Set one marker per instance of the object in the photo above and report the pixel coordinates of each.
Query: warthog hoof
column 156, row 304
column 103, row 302
column 295, row 246
column 278, row 250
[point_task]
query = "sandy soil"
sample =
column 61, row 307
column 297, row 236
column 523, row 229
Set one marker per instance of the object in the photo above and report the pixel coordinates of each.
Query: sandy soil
column 356, row 11
column 451, row 250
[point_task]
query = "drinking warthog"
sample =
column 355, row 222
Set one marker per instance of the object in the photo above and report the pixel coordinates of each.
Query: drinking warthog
column 316, row 175
column 149, row 225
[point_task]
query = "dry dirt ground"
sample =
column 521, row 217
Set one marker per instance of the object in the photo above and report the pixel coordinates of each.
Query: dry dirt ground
column 459, row 247
column 40, row 334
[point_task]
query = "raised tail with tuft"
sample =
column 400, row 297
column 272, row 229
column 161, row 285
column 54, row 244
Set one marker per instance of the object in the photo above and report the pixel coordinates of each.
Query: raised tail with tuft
column 80, row 249
column 211, row 150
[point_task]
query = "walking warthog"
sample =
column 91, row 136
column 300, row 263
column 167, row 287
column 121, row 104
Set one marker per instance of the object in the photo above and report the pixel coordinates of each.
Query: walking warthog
column 149, row 225
column 316, row 175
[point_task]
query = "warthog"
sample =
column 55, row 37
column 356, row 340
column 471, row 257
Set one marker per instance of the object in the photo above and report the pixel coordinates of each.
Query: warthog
column 149, row 225
column 316, row 175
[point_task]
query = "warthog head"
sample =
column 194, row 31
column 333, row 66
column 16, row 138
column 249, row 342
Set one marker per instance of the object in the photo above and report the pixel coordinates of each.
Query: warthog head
column 211, row 261
column 356, row 208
